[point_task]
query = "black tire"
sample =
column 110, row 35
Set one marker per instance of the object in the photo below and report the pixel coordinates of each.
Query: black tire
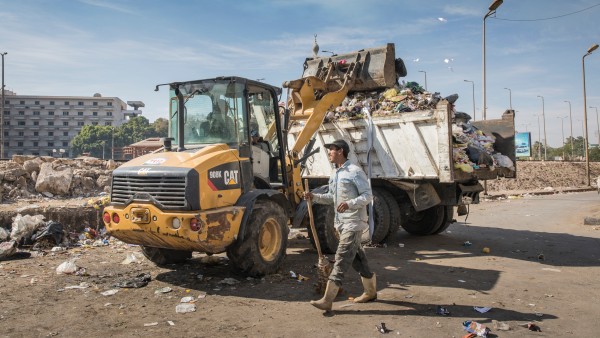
column 395, row 213
column 424, row 222
column 160, row 256
column 448, row 216
column 381, row 219
column 263, row 247
column 329, row 238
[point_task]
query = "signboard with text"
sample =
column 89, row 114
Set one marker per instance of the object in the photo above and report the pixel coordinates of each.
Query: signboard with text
column 523, row 144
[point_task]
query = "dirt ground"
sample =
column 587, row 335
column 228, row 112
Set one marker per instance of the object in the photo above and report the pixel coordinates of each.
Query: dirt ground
column 543, row 268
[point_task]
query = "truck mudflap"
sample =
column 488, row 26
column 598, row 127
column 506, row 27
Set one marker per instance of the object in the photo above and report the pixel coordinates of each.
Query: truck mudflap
column 209, row 231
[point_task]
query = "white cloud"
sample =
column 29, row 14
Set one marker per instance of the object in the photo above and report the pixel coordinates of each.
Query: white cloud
column 108, row 5
column 442, row 20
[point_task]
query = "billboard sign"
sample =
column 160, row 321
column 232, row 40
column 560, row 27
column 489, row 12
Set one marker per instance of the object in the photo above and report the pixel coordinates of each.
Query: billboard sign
column 523, row 144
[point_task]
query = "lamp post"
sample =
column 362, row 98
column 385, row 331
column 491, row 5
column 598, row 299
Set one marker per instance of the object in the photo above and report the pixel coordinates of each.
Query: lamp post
column 539, row 138
column 585, row 141
column 545, row 139
column 509, row 97
column 491, row 10
column 472, row 85
column 597, row 125
column 583, row 137
column 424, row 72
column 2, row 111
column 562, row 128
column 571, row 121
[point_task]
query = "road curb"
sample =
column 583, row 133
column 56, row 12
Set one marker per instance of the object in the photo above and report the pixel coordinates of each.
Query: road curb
column 538, row 192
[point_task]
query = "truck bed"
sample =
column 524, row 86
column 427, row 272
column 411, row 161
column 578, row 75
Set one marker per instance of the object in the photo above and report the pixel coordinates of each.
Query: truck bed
column 409, row 146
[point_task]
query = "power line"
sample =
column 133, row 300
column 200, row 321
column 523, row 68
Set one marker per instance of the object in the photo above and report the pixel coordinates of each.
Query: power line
column 550, row 18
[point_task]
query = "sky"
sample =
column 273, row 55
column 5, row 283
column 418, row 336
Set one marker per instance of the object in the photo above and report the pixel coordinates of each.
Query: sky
column 124, row 48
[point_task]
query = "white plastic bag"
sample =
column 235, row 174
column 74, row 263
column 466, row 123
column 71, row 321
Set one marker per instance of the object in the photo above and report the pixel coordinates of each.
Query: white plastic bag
column 67, row 268
column 25, row 226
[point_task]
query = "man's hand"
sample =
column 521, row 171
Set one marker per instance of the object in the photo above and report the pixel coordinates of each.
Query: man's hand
column 342, row 207
column 308, row 195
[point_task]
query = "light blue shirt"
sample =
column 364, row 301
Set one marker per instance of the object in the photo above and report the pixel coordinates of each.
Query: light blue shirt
column 348, row 184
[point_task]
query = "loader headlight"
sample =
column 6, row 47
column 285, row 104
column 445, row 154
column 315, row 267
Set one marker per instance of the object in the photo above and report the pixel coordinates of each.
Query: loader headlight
column 176, row 223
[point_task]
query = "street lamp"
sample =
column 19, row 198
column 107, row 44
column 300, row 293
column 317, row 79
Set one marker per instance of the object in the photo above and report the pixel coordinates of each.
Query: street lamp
column 424, row 72
column 545, row 139
column 473, row 85
column 597, row 125
column 491, row 11
column 562, row 118
column 539, row 138
column 2, row 111
column 509, row 97
column 585, row 141
column 571, row 120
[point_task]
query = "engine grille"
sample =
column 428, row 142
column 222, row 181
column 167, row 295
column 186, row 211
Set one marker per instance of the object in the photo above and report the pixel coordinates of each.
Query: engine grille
column 168, row 191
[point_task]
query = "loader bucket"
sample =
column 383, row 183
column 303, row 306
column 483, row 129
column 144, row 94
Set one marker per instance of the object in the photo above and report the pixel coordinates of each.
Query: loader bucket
column 376, row 67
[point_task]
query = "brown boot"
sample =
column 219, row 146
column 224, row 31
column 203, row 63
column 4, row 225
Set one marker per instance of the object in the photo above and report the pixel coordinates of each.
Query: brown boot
column 326, row 302
column 370, row 292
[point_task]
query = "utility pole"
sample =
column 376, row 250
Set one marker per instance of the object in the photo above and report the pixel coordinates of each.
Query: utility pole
column 571, row 121
column 2, row 111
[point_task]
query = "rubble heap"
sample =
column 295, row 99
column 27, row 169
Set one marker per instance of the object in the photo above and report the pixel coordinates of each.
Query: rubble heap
column 30, row 176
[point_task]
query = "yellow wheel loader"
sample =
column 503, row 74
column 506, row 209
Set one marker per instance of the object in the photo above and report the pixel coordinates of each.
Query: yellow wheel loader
column 230, row 184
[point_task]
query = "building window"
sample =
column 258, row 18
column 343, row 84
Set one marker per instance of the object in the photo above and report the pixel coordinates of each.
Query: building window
column 35, row 143
column 21, row 123
column 79, row 113
column 6, row 143
column 66, row 103
column 80, row 103
column 37, row 102
column 65, row 123
column 35, row 133
column 50, row 133
column 22, row 102
column 5, row 133
column 50, row 113
column 108, row 123
column 109, row 104
column 21, row 133
column 19, row 144
column 21, row 113
column 6, row 102
column 94, row 113
column 65, row 133
column 7, row 112
column 94, row 123
column 65, row 143
column 36, row 113
column 50, row 123
column 36, row 123
column 51, row 103
column 7, row 123
column 65, row 113
column 95, row 103
column 108, row 113
column 80, row 123
column 50, row 144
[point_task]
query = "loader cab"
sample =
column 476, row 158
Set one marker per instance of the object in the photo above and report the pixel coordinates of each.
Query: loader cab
column 228, row 110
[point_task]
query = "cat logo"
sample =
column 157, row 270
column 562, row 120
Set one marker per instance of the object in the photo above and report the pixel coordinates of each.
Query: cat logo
column 143, row 171
column 224, row 177
column 230, row 177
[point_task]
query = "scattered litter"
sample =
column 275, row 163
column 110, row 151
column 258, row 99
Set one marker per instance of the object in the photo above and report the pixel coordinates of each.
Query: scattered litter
column 481, row 309
column 131, row 258
column 200, row 277
column 295, row 234
column 166, row 289
column 462, row 281
column 109, row 292
column 4, row 234
column 532, row 327
column 539, row 314
column 476, row 328
column 467, row 244
column 67, row 268
column 442, row 311
column 229, row 281
column 82, row 285
column 138, row 281
column 401, row 245
column 151, row 324
column 293, row 275
column 48, row 235
column 24, row 226
column 485, row 250
column 171, row 322
column 381, row 328
column 551, row 269
column 408, row 296
column 187, row 299
column 541, row 257
column 202, row 295
column 500, row 326
column 58, row 248
column 347, row 305
column 548, row 295
column 7, row 249
column 185, row 307
column 438, row 324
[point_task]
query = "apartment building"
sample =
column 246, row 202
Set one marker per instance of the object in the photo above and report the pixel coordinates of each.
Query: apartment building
column 45, row 125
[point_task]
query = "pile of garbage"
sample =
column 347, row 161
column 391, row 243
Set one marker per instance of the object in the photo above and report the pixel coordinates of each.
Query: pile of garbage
column 45, row 176
column 472, row 148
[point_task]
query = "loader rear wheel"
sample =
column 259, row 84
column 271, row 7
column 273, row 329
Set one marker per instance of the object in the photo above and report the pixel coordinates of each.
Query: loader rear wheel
column 329, row 238
column 425, row 222
column 381, row 219
column 160, row 256
column 262, row 249
column 448, row 213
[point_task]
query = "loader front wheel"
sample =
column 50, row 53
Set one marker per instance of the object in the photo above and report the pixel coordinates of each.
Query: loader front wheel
column 262, row 249
column 161, row 256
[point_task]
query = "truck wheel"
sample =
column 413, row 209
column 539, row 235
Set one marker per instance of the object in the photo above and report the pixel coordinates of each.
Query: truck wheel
column 424, row 222
column 160, row 256
column 381, row 219
column 262, row 250
column 448, row 213
column 329, row 238
column 395, row 213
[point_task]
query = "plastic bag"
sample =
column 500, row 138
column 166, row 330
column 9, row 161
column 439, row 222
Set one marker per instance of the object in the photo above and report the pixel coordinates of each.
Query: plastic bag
column 67, row 268
column 476, row 328
column 24, row 226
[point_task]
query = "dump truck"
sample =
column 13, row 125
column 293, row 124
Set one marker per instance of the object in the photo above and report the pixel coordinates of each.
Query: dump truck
column 230, row 183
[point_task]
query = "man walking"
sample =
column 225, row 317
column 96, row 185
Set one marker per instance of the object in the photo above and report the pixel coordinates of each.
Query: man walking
column 350, row 193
